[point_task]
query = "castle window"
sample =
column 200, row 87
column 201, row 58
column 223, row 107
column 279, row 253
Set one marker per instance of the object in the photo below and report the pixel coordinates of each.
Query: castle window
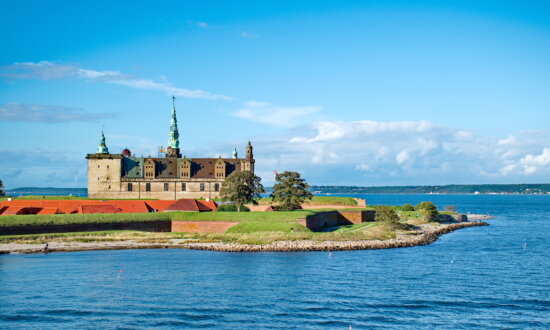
column 183, row 186
column 216, row 187
column 147, row 187
column 202, row 186
column 97, row 166
column 166, row 187
column 130, row 187
column 107, row 166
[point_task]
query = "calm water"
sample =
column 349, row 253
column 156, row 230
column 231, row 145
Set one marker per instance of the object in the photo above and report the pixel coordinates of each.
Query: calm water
column 495, row 277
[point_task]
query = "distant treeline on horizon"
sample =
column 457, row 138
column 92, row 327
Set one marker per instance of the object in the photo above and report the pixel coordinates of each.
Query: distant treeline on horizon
column 536, row 188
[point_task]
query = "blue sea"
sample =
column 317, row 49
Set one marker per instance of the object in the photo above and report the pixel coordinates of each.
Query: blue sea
column 481, row 277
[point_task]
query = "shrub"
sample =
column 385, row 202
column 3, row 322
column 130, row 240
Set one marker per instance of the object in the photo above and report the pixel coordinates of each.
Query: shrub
column 407, row 207
column 388, row 216
column 426, row 206
column 231, row 208
column 427, row 211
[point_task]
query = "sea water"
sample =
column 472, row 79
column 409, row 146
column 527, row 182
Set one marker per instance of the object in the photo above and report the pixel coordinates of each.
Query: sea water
column 494, row 277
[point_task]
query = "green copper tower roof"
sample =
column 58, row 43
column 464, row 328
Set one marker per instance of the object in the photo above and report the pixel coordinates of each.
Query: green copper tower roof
column 102, row 147
column 173, row 135
column 235, row 153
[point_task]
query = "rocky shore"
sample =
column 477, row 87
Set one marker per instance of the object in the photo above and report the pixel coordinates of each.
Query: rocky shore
column 427, row 235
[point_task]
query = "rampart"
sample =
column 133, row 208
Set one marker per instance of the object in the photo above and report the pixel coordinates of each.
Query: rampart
column 152, row 226
column 335, row 218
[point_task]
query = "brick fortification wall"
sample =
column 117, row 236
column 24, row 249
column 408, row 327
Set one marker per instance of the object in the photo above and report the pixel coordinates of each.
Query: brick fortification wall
column 336, row 218
column 153, row 226
column 201, row 226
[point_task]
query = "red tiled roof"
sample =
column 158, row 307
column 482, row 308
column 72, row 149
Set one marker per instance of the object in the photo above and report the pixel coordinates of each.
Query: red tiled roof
column 158, row 205
column 102, row 206
column 48, row 210
column 183, row 205
column 207, row 205
column 85, row 209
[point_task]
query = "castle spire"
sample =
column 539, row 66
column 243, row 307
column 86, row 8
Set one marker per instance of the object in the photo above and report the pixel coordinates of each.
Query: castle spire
column 235, row 156
column 102, row 147
column 173, row 135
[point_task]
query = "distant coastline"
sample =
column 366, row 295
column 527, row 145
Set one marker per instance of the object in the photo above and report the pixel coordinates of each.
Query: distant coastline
column 471, row 189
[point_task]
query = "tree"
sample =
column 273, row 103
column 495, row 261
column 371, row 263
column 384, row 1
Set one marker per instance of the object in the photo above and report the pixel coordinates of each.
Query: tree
column 388, row 216
column 1, row 189
column 427, row 211
column 407, row 207
column 290, row 190
column 241, row 188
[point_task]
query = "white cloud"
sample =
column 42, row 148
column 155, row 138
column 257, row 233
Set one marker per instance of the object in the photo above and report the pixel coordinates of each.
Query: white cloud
column 275, row 115
column 532, row 163
column 421, row 152
column 46, row 113
column 45, row 70
column 245, row 34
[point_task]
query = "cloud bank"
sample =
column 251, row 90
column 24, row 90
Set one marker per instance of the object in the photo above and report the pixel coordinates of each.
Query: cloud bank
column 405, row 152
column 274, row 115
column 46, row 70
column 46, row 113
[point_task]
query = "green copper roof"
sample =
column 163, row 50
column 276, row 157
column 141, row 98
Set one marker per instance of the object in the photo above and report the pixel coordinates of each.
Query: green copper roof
column 102, row 147
column 132, row 167
column 173, row 135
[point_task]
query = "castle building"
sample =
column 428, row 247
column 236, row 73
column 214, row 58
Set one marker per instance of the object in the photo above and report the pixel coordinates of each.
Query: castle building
column 170, row 177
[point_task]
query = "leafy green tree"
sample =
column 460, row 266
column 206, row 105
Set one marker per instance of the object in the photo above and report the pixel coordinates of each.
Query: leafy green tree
column 388, row 216
column 427, row 211
column 242, row 188
column 290, row 190
column 407, row 207
column 1, row 189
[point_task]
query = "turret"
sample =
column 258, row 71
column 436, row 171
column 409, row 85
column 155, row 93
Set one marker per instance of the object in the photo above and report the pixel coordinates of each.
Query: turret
column 102, row 147
column 173, row 135
column 249, row 158
column 235, row 156
column 249, row 154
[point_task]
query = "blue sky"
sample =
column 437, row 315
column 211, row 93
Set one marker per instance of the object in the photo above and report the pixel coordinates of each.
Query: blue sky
column 345, row 92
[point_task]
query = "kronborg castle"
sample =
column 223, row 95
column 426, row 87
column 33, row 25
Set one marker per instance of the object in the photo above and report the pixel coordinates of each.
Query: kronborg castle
column 168, row 177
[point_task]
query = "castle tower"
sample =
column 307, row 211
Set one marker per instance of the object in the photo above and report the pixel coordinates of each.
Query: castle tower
column 173, row 149
column 249, row 158
column 102, row 147
column 235, row 155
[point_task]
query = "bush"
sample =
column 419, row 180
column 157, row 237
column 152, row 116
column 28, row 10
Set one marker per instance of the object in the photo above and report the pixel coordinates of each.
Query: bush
column 388, row 216
column 231, row 208
column 426, row 206
column 407, row 207
column 427, row 211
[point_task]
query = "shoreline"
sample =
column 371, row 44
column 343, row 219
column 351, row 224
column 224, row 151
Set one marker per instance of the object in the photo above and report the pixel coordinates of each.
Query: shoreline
column 426, row 236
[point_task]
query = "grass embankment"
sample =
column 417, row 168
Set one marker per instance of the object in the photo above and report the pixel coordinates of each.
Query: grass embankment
column 62, row 219
column 320, row 200
column 245, row 235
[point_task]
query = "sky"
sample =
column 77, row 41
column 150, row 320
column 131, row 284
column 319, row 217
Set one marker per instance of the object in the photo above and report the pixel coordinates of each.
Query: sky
column 362, row 93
